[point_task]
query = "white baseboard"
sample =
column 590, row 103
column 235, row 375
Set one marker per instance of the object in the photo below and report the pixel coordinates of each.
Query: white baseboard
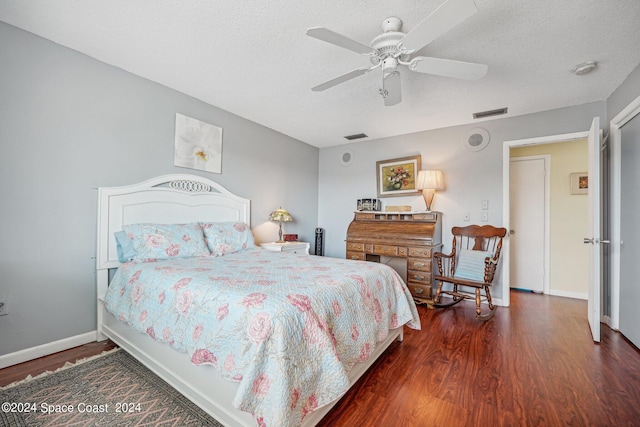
column 46, row 349
column 576, row 295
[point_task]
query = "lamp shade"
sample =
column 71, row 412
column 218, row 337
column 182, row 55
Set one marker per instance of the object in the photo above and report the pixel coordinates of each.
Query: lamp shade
column 280, row 215
column 430, row 180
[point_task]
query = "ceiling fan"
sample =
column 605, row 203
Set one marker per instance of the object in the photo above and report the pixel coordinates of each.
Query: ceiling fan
column 393, row 49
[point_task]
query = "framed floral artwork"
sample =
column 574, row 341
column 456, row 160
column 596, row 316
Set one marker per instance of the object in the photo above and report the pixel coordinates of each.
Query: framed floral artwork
column 198, row 145
column 397, row 177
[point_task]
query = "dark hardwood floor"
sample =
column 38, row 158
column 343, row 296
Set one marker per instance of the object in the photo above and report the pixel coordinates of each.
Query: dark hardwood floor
column 52, row 362
column 533, row 364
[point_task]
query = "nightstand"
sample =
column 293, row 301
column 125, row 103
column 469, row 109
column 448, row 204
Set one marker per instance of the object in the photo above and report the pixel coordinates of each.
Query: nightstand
column 295, row 247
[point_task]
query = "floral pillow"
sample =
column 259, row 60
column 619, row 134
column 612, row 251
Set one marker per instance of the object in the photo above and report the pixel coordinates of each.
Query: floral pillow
column 227, row 237
column 163, row 241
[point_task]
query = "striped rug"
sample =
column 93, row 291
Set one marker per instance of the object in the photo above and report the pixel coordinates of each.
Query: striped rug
column 112, row 389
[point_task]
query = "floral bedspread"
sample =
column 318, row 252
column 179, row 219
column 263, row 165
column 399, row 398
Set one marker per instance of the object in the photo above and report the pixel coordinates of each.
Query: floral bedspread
column 287, row 327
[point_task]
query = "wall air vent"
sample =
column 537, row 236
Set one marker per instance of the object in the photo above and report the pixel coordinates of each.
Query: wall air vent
column 484, row 114
column 356, row 136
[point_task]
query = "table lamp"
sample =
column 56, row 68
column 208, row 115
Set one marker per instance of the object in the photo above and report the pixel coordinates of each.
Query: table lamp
column 280, row 215
column 429, row 181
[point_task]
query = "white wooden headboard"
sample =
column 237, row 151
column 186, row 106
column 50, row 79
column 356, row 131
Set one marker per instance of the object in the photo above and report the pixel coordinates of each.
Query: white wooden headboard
column 167, row 199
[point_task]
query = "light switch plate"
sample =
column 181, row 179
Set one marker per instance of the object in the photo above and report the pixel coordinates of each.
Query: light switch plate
column 485, row 205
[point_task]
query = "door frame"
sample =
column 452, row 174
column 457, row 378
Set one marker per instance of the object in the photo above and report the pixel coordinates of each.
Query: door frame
column 506, row 202
column 547, row 214
column 615, row 135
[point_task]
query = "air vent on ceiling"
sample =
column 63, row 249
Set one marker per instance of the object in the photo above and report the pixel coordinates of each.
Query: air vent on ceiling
column 356, row 136
column 483, row 114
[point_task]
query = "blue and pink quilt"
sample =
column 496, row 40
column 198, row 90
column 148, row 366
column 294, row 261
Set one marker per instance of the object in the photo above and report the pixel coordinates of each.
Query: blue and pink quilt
column 286, row 327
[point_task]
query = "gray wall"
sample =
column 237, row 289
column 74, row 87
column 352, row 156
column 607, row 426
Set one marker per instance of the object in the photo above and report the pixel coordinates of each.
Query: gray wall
column 470, row 177
column 70, row 124
column 623, row 95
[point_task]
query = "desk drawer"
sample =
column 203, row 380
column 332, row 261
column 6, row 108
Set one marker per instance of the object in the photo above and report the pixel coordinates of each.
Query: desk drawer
column 423, row 264
column 351, row 246
column 355, row 255
column 385, row 250
column 420, row 291
column 420, row 252
column 419, row 277
column 425, row 217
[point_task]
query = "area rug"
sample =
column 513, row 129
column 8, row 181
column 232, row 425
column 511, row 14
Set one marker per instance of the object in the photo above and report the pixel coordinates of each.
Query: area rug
column 112, row 389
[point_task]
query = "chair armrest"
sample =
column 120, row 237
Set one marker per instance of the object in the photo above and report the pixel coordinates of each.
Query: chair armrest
column 445, row 262
column 490, row 265
column 443, row 255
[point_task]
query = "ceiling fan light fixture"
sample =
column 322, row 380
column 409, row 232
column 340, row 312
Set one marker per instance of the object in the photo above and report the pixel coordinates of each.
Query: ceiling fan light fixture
column 389, row 65
column 584, row 68
column 393, row 49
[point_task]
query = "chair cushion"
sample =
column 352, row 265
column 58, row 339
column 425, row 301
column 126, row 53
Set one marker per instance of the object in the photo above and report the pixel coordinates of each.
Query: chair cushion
column 471, row 265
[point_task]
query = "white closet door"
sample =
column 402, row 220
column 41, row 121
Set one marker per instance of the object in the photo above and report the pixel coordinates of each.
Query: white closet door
column 527, row 199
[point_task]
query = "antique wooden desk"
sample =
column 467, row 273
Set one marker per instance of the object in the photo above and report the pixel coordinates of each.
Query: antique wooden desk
column 414, row 236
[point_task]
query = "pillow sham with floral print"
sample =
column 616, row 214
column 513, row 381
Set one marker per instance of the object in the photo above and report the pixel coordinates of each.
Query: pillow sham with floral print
column 227, row 237
column 163, row 241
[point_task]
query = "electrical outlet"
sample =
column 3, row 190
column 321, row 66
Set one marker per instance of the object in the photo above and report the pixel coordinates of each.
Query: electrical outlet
column 484, row 217
column 467, row 216
column 3, row 307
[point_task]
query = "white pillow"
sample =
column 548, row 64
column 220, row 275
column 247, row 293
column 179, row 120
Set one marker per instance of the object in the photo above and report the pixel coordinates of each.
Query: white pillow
column 471, row 265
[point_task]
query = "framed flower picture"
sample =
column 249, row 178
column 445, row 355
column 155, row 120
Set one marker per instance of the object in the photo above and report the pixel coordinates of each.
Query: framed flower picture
column 397, row 177
column 198, row 145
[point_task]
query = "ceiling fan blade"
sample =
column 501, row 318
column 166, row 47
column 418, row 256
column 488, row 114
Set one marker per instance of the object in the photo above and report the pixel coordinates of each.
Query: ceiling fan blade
column 340, row 79
column 448, row 15
column 392, row 89
column 332, row 37
column 448, row 68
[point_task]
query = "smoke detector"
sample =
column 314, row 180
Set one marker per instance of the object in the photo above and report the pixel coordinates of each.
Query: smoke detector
column 584, row 68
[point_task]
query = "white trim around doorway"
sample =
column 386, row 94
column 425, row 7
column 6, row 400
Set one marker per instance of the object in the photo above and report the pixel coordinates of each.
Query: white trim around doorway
column 506, row 156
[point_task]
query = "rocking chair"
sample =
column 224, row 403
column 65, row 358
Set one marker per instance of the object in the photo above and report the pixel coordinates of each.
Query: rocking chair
column 472, row 263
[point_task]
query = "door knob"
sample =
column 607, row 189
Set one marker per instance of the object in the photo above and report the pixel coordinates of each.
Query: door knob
column 595, row 241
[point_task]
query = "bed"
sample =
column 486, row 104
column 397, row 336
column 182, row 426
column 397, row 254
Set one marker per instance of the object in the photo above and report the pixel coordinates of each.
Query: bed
column 253, row 337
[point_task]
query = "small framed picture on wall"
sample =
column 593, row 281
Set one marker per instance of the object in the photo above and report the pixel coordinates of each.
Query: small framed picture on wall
column 580, row 183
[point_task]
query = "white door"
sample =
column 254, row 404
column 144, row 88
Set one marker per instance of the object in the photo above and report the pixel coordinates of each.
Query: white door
column 593, row 237
column 527, row 199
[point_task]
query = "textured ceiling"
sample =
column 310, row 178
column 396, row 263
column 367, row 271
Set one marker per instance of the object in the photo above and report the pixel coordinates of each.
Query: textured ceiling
column 252, row 58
